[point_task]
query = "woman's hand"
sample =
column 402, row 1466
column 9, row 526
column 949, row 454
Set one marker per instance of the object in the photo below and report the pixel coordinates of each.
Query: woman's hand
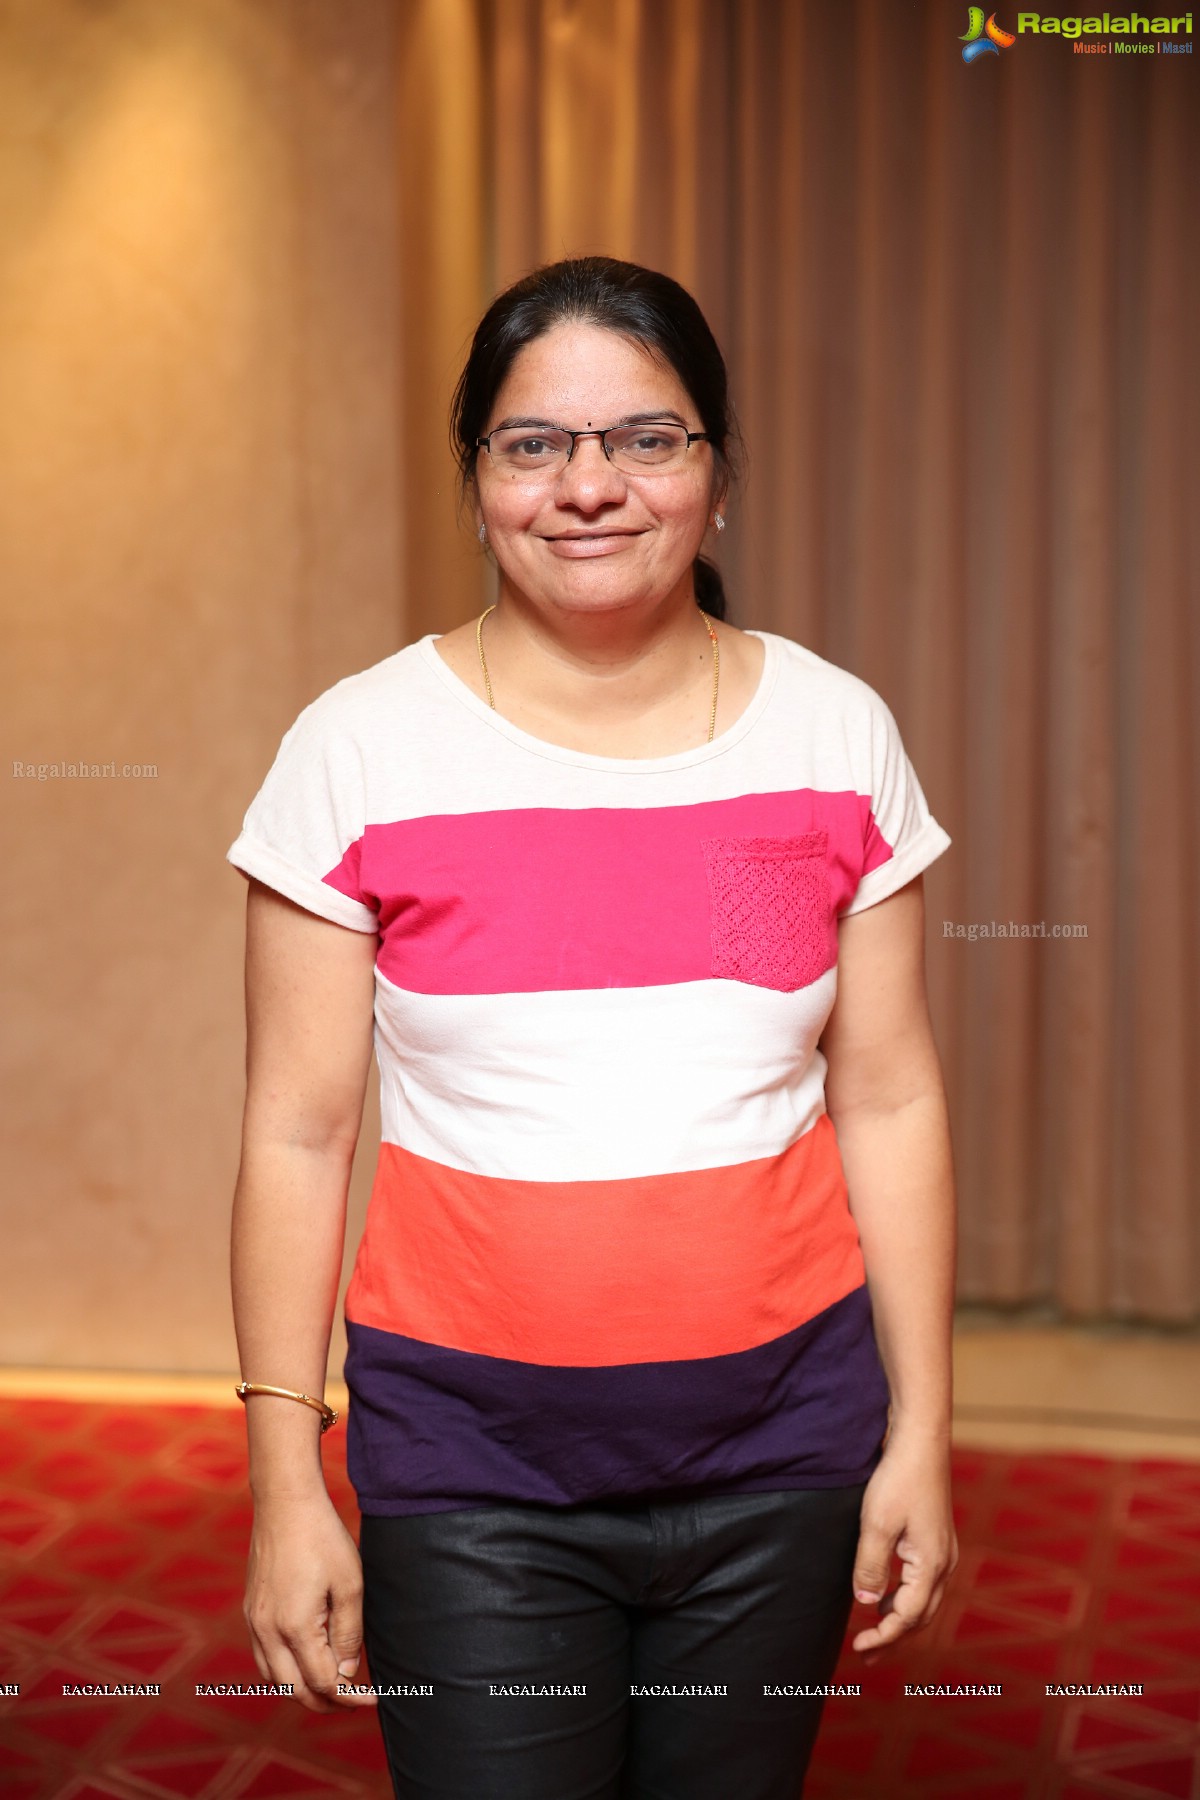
column 303, row 1601
column 906, row 1511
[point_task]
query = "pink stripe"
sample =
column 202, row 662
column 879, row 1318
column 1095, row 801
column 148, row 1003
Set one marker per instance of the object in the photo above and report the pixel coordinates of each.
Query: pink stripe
column 543, row 899
column 876, row 849
column 347, row 877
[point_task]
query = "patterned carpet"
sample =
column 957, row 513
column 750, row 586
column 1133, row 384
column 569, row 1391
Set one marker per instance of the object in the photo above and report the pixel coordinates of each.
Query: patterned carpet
column 123, row 1533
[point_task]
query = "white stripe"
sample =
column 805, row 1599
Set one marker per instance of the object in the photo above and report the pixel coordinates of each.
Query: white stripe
column 600, row 1084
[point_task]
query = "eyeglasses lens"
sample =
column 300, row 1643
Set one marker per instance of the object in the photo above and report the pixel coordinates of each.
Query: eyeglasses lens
column 635, row 449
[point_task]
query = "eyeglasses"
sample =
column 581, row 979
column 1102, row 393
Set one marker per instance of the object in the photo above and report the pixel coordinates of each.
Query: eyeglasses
column 545, row 450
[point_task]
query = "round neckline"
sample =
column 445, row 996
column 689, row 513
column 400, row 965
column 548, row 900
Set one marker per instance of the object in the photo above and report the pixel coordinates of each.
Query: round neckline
column 626, row 765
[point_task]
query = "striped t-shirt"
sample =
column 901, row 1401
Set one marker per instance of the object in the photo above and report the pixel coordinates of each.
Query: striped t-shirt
column 608, row 1252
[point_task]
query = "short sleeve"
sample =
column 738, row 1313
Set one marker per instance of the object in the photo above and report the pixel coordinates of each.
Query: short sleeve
column 900, row 835
column 302, row 834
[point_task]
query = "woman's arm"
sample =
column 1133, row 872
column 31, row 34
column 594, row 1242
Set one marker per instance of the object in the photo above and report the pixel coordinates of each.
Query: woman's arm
column 885, row 1097
column 309, row 1006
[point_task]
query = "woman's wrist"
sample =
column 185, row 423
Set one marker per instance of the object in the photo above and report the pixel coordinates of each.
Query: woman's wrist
column 930, row 1428
column 284, row 1450
column 282, row 1490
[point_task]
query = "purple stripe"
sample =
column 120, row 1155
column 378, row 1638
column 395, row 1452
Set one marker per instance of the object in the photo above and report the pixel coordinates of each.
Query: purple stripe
column 433, row 1430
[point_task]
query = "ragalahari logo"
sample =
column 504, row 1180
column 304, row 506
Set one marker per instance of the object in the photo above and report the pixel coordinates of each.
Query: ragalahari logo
column 983, row 40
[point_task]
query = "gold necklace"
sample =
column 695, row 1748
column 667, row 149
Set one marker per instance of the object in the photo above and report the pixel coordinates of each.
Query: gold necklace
column 712, row 723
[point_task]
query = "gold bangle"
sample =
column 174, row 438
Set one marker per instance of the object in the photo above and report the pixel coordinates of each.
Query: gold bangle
column 328, row 1416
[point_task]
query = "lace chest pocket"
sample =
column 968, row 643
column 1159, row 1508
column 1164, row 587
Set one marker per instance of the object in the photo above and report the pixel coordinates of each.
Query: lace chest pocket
column 773, row 923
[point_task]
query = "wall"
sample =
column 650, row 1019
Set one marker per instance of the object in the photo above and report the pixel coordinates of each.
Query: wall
column 199, row 530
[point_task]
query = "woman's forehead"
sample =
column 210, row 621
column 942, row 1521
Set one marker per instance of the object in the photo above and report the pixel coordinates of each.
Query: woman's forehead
column 576, row 365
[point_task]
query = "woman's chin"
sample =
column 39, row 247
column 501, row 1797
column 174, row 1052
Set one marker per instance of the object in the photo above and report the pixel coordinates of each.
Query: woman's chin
column 601, row 584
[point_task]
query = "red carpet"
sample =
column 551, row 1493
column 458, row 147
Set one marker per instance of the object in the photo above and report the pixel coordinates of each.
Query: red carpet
column 123, row 1533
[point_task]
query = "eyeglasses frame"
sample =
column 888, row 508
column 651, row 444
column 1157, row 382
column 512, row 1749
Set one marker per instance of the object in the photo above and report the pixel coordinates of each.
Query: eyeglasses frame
column 693, row 437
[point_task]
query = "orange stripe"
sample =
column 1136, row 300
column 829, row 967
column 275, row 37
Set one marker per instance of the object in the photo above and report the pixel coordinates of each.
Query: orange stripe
column 575, row 1274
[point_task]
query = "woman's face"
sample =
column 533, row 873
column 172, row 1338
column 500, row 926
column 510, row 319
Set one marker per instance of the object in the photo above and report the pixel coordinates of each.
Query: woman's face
column 590, row 537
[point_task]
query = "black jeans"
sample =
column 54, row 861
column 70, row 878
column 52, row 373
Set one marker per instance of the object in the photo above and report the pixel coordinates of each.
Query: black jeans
column 730, row 1593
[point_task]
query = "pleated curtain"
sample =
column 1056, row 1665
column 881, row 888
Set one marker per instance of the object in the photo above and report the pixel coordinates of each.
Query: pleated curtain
column 959, row 305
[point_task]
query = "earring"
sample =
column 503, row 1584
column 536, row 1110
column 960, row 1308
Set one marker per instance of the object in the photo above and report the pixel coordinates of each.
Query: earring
column 719, row 521
column 483, row 534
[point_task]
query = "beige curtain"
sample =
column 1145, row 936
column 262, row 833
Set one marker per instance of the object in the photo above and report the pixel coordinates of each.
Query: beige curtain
column 959, row 305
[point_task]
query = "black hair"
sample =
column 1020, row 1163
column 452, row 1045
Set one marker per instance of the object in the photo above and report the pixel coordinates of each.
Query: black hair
column 640, row 304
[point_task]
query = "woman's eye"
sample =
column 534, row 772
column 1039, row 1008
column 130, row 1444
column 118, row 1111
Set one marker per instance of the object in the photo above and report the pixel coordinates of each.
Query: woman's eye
column 532, row 447
column 649, row 444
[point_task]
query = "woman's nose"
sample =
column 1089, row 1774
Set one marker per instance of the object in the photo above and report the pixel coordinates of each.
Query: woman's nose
column 589, row 478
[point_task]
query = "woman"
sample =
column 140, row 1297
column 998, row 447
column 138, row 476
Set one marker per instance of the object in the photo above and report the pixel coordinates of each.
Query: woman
column 656, row 1228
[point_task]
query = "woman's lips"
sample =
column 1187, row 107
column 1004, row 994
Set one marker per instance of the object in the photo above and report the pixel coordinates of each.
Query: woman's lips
column 591, row 543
